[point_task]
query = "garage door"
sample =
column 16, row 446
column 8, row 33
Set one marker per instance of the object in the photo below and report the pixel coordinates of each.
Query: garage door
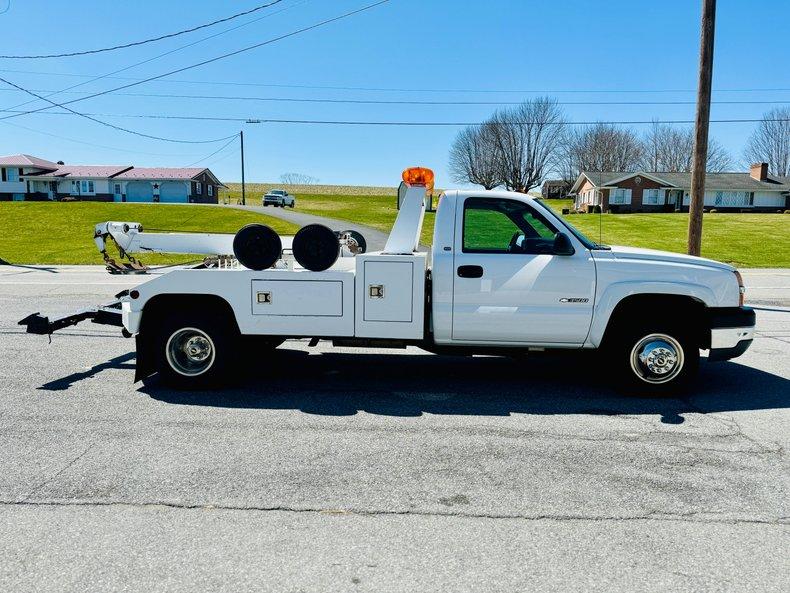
column 173, row 191
column 139, row 191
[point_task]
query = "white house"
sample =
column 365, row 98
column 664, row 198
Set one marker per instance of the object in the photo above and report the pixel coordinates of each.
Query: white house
column 14, row 169
column 30, row 178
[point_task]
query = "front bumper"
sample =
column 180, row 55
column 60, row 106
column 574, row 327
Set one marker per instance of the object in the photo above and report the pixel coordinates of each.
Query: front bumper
column 731, row 332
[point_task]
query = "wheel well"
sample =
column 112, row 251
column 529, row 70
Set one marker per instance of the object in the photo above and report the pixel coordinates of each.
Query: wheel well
column 687, row 311
column 158, row 307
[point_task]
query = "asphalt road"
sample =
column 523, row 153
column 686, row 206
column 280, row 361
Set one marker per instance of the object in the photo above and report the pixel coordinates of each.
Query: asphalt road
column 383, row 470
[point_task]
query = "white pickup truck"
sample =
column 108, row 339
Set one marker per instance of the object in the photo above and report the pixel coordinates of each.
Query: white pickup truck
column 505, row 274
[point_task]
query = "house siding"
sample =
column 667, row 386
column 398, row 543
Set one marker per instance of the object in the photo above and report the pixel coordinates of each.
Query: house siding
column 203, row 198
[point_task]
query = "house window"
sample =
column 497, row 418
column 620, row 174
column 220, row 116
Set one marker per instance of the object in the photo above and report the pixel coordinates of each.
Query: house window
column 733, row 199
column 75, row 188
column 210, row 189
column 198, row 188
column 12, row 175
column 651, row 196
column 620, row 196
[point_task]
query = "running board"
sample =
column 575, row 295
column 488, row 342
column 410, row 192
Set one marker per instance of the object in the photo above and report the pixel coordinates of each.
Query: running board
column 105, row 315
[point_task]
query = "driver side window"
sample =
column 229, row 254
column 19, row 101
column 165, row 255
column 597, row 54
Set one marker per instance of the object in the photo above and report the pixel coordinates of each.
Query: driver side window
column 500, row 225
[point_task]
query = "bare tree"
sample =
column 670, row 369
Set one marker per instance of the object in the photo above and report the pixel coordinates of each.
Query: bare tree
column 604, row 147
column 474, row 157
column 667, row 148
column 770, row 142
column 298, row 179
column 528, row 139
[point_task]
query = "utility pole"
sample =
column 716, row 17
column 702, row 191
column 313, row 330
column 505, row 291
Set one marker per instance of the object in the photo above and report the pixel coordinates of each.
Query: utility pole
column 243, row 188
column 701, row 126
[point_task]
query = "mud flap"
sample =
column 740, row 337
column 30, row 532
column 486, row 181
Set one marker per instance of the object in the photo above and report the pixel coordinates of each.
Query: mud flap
column 146, row 361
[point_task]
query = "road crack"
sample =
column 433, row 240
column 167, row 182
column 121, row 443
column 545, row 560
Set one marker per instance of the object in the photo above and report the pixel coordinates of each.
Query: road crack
column 690, row 517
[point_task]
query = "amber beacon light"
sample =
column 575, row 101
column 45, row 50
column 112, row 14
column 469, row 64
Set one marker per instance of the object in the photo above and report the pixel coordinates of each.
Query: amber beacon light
column 418, row 176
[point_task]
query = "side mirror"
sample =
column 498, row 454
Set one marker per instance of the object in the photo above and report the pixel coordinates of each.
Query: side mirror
column 562, row 245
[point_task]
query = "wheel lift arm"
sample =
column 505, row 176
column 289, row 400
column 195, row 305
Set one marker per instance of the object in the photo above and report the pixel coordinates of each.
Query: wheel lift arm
column 38, row 324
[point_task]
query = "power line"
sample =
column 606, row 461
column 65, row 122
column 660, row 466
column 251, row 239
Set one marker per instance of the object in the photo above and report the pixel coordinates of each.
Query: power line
column 408, row 90
column 156, row 57
column 390, row 102
column 214, row 59
column 223, row 147
column 91, row 144
column 144, row 41
column 109, row 125
column 267, row 120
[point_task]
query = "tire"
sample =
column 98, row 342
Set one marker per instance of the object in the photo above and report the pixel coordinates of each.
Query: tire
column 193, row 350
column 316, row 247
column 257, row 246
column 653, row 358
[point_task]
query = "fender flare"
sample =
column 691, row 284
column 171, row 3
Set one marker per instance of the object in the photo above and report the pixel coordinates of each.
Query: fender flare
column 615, row 293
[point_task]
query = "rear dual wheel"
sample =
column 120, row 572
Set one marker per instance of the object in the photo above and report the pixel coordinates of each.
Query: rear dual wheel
column 195, row 350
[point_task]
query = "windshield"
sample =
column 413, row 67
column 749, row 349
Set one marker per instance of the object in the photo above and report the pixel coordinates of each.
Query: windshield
column 589, row 244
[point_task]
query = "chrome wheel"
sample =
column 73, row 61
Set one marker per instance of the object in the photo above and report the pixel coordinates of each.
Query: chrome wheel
column 190, row 351
column 657, row 358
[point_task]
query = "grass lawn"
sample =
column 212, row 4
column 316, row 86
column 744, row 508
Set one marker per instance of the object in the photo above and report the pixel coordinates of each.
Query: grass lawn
column 27, row 228
column 61, row 233
column 748, row 240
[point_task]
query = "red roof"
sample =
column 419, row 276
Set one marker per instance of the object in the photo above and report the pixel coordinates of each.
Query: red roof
column 161, row 173
column 25, row 160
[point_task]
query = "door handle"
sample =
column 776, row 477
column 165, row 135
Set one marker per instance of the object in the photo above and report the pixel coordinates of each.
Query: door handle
column 470, row 271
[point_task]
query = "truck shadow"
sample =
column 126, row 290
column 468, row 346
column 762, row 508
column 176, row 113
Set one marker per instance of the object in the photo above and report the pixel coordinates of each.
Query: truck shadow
column 343, row 384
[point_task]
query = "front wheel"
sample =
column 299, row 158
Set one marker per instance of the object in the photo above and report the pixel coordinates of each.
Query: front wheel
column 194, row 353
column 655, row 359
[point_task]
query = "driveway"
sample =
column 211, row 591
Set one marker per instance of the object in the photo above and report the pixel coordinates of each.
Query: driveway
column 375, row 238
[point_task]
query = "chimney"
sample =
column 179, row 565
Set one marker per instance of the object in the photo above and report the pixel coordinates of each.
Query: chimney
column 759, row 171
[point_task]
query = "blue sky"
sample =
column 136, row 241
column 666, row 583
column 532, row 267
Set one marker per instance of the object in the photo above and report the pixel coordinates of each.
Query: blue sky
column 575, row 51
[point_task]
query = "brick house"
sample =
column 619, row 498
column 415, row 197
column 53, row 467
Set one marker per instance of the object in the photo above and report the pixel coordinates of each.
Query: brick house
column 29, row 178
column 646, row 191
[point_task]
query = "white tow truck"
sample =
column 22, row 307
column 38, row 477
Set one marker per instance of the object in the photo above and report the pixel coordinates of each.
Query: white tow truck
column 505, row 275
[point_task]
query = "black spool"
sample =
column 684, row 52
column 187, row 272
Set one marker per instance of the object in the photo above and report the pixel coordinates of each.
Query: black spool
column 257, row 246
column 316, row 247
